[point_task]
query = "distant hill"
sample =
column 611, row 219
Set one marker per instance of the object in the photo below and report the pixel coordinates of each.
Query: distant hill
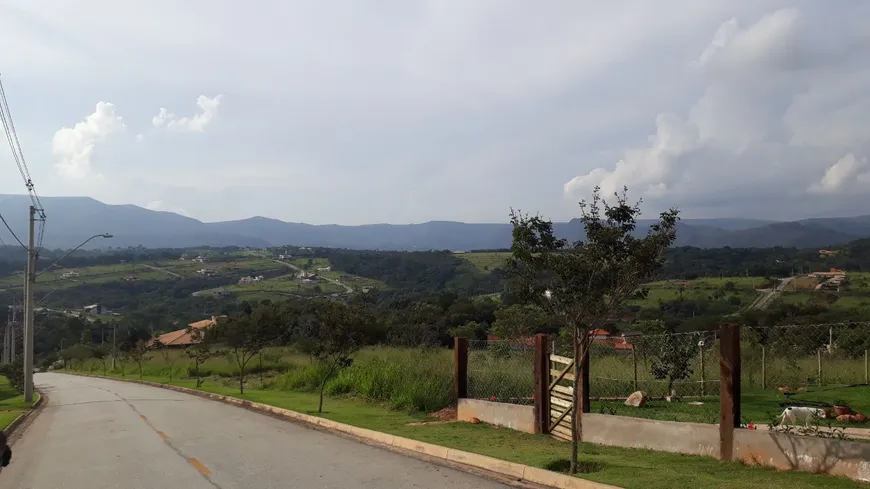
column 73, row 219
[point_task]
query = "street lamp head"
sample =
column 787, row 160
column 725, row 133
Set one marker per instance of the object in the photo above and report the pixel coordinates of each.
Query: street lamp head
column 107, row 235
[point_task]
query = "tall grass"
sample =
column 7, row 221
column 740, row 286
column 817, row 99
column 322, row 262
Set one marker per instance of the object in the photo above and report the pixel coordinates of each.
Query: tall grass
column 416, row 380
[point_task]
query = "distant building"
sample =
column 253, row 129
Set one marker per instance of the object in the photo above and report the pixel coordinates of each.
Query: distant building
column 181, row 337
column 834, row 272
column 95, row 309
column 324, row 269
column 208, row 272
column 250, row 280
column 70, row 274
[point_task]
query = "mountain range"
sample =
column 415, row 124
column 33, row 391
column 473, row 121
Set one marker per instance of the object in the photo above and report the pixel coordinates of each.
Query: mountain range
column 71, row 220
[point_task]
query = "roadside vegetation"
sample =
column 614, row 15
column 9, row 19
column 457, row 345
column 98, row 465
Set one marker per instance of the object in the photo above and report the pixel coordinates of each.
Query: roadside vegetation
column 12, row 403
column 622, row 467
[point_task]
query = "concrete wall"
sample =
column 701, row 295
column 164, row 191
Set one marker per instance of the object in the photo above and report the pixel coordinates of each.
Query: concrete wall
column 665, row 436
column 520, row 418
column 781, row 451
column 807, row 453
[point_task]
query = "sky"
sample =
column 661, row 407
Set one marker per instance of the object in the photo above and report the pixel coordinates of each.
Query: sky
column 403, row 111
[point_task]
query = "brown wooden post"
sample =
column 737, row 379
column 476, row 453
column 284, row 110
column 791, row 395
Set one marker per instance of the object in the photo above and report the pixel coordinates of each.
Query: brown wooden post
column 729, row 388
column 584, row 372
column 542, row 384
column 460, row 372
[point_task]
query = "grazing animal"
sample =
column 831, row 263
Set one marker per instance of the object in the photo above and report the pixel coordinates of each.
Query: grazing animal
column 793, row 414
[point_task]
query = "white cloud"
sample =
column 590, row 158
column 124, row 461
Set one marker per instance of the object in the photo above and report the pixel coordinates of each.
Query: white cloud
column 208, row 111
column 74, row 147
column 720, row 107
column 140, row 137
column 158, row 205
column 765, row 123
column 848, row 173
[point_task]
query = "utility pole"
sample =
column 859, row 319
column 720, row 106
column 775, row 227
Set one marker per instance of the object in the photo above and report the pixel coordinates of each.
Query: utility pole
column 13, row 346
column 4, row 357
column 29, row 282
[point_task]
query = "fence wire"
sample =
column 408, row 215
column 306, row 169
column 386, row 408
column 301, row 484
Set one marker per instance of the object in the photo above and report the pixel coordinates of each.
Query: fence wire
column 501, row 370
column 813, row 365
column 677, row 375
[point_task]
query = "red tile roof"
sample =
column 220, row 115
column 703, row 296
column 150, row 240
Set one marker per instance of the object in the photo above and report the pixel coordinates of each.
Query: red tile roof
column 181, row 337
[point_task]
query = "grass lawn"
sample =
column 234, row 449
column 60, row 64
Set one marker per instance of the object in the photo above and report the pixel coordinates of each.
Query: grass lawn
column 624, row 467
column 485, row 261
column 12, row 404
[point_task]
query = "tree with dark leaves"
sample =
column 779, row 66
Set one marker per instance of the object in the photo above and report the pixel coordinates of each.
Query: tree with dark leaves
column 585, row 284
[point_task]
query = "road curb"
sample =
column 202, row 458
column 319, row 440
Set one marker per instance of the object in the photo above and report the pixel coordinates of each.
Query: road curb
column 515, row 471
column 23, row 417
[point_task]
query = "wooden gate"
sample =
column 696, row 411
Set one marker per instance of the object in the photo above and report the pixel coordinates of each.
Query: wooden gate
column 561, row 396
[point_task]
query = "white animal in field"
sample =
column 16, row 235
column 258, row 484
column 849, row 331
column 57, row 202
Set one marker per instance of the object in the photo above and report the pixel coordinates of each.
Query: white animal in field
column 793, row 414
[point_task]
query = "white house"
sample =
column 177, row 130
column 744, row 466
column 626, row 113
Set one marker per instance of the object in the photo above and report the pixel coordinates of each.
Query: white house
column 95, row 309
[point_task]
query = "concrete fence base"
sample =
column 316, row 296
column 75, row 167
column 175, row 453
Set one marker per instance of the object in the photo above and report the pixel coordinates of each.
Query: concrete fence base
column 759, row 447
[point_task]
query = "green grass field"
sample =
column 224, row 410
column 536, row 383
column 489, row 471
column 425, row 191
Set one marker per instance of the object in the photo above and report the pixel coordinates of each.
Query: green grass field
column 12, row 404
column 623, row 467
column 53, row 279
column 485, row 261
column 736, row 292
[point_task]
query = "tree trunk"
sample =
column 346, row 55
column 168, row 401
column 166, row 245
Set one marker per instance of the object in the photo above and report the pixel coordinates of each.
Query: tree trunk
column 241, row 381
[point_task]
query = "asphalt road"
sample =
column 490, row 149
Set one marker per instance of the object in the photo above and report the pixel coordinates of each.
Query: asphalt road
column 96, row 434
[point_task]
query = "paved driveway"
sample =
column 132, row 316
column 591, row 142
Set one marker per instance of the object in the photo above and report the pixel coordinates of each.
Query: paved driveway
column 97, row 433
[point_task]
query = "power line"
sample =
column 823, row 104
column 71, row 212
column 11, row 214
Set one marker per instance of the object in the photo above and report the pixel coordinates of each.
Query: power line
column 18, row 156
column 15, row 146
column 12, row 232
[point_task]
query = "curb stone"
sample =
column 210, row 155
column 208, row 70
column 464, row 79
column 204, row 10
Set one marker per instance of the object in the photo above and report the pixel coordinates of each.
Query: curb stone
column 511, row 470
column 23, row 417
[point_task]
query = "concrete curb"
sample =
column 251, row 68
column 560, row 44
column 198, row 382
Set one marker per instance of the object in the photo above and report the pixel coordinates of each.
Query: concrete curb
column 515, row 471
column 23, row 417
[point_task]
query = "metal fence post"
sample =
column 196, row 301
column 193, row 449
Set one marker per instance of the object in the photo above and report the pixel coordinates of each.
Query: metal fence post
column 819, row 359
column 460, row 372
column 729, row 388
column 634, row 361
column 703, row 374
column 542, row 384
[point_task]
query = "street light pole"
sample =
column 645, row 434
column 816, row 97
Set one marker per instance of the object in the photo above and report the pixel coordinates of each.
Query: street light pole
column 29, row 282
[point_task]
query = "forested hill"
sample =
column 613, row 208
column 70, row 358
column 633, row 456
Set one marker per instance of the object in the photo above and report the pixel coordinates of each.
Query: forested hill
column 72, row 219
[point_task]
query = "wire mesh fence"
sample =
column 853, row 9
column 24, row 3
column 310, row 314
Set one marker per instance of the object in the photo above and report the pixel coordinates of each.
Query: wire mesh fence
column 813, row 365
column 676, row 375
column 501, row 370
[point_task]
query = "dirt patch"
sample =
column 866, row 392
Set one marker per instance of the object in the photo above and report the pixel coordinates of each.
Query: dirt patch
column 446, row 415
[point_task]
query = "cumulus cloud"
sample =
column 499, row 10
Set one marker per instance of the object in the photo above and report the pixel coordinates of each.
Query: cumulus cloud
column 847, row 174
column 158, row 205
column 777, row 106
column 208, row 111
column 74, row 147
